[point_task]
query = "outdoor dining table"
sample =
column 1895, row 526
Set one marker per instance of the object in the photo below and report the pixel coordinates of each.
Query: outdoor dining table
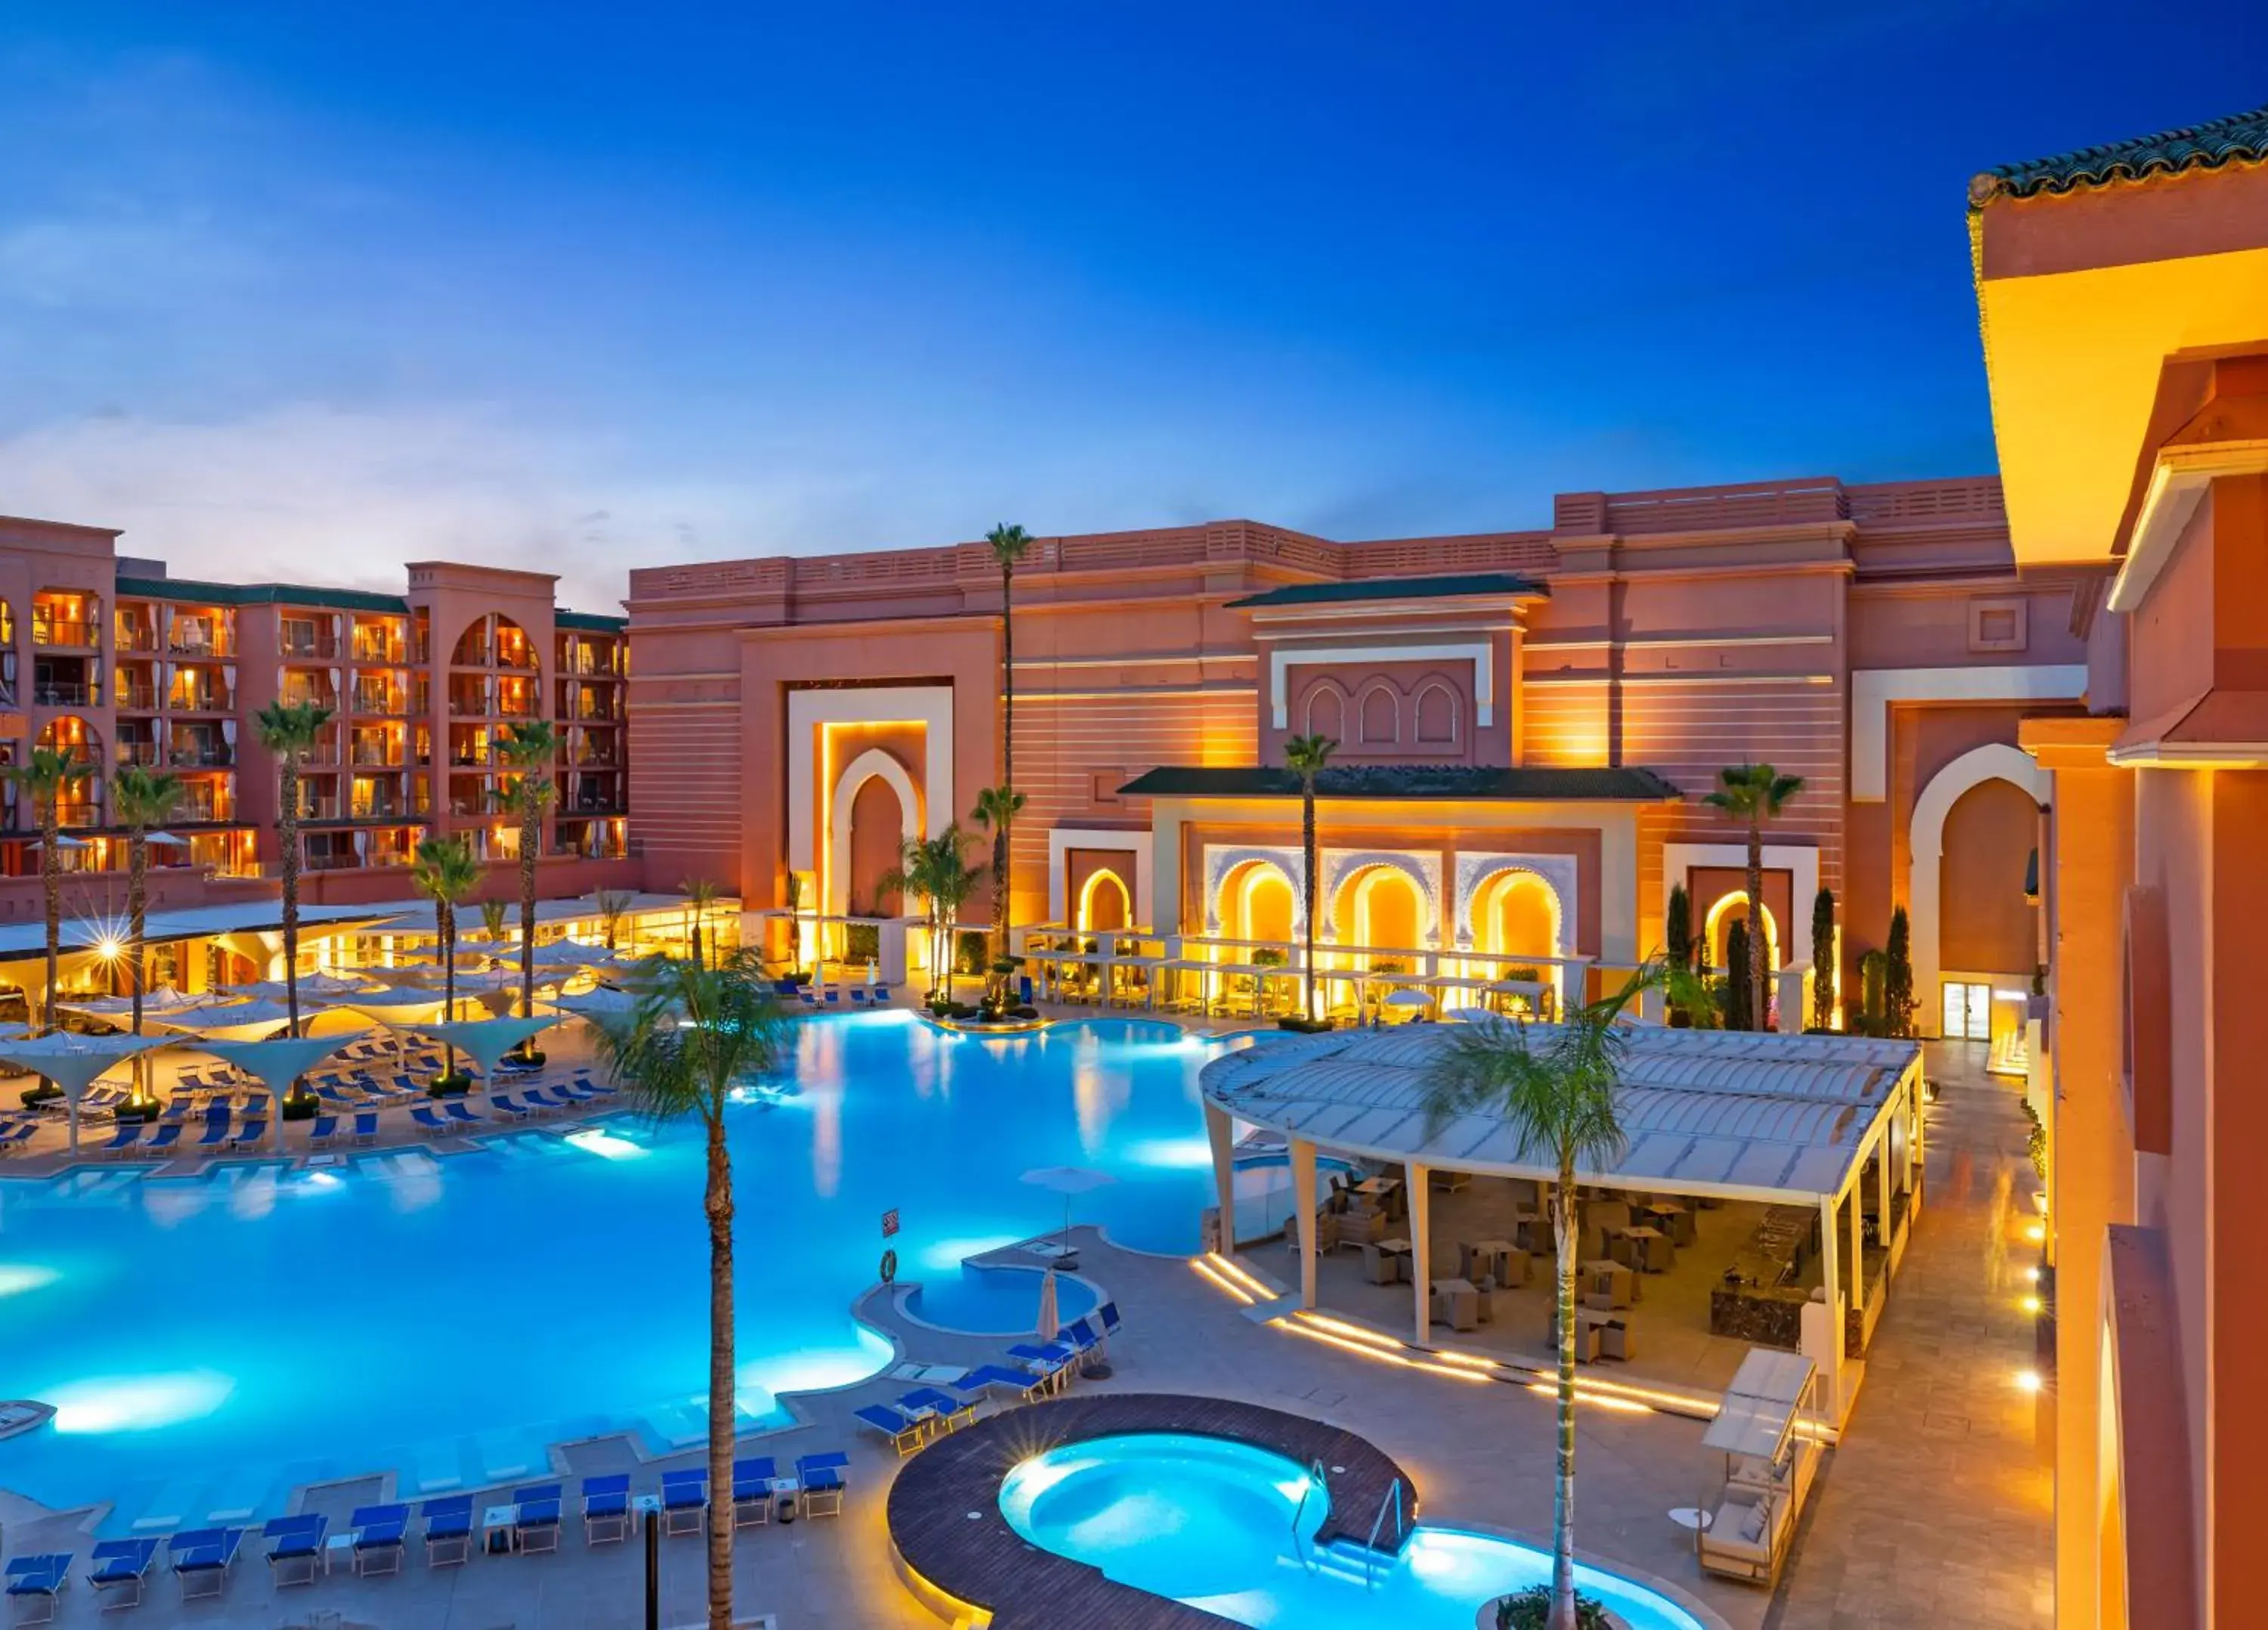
column 1488, row 1259
column 1614, row 1282
column 1673, row 1220
column 1651, row 1250
column 499, row 1530
column 1464, row 1299
column 1400, row 1251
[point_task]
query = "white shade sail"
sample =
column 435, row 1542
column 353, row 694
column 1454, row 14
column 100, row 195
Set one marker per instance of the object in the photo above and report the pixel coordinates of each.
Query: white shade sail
column 484, row 1041
column 72, row 1062
column 236, row 1022
column 276, row 1062
column 572, row 954
column 160, row 999
column 601, row 1004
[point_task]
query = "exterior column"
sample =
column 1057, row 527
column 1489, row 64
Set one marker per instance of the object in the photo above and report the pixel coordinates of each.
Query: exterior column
column 1882, row 1191
column 1825, row 1346
column 1221, row 1133
column 1857, row 1248
column 1421, row 1243
column 1303, row 1199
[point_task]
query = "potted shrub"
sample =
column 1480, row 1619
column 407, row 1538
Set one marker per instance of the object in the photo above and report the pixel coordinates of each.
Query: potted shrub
column 1531, row 1609
column 46, row 1092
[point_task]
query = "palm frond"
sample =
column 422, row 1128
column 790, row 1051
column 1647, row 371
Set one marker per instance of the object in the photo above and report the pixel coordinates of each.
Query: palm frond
column 695, row 1033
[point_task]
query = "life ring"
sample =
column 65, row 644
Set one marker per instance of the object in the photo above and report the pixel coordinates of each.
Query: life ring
column 889, row 1266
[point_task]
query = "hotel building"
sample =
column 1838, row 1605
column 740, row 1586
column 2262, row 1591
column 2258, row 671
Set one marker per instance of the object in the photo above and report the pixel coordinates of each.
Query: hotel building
column 2124, row 292
column 1526, row 721
column 120, row 662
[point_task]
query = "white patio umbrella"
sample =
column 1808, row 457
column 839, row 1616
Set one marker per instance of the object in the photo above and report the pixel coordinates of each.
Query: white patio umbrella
column 72, row 1061
column 235, row 1022
column 1068, row 1181
column 275, row 1062
column 1049, row 1320
column 484, row 1041
column 1406, row 999
column 570, row 954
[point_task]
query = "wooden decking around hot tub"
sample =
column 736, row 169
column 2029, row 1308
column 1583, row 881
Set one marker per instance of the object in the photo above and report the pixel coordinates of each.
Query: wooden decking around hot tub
column 980, row 1561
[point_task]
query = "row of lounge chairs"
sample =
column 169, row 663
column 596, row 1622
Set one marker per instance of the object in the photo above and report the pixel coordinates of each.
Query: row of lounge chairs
column 859, row 996
column 301, row 1549
column 1035, row 1370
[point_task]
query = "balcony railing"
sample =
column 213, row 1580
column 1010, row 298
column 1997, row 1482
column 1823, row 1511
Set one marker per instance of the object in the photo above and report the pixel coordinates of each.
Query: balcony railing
column 587, row 709
column 195, row 809
column 473, row 655
column 200, row 649
column 133, row 637
column 63, row 693
column 523, row 708
column 377, row 758
column 318, row 648
column 379, row 699
column 334, row 861
column 516, row 657
column 470, row 707
column 327, row 700
column 198, row 699
column 381, row 809
column 218, row 757
column 319, row 809
column 138, row 698
column 143, row 752
column 65, row 634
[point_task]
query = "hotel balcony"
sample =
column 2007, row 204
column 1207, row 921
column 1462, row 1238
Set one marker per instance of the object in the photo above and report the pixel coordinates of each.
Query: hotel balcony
column 199, row 699
column 201, row 641
column 142, row 753
column 303, row 695
column 311, row 648
column 206, row 803
column 64, row 693
column 60, row 634
column 201, row 756
column 136, row 698
column 385, row 701
column 131, row 634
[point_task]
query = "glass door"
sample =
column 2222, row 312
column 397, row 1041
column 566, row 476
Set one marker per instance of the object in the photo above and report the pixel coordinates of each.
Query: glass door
column 1968, row 1012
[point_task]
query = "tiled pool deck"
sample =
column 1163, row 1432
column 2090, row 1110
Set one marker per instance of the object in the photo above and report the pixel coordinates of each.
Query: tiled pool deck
column 1939, row 1431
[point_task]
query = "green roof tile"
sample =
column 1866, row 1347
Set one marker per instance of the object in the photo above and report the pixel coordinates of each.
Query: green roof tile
column 1504, row 585
column 2238, row 139
column 1428, row 781
column 258, row 594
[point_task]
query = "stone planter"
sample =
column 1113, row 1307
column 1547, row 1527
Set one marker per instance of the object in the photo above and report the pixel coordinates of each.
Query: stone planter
column 1487, row 1621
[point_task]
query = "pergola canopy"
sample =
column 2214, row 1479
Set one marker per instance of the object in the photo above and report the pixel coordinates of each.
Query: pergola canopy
column 485, row 1041
column 1739, row 1114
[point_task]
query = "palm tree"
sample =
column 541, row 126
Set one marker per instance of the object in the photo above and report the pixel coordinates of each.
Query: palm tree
column 937, row 869
column 139, row 799
column 1755, row 793
column 1010, row 544
column 995, row 807
column 290, row 730
column 529, row 748
column 1554, row 1087
column 794, row 921
column 700, row 894
column 613, row 903
column 1306, row 756
column 47, row 774
column 695, row 1033
column 445, row 873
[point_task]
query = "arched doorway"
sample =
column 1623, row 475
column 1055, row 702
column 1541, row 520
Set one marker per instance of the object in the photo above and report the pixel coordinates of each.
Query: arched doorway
column 1258, row 902
column 1717, row 929
column 872, row 810
column 1105, row 906
column 1382, row 907
column 1968, row 878
column 876, row 827
column 1517, row 913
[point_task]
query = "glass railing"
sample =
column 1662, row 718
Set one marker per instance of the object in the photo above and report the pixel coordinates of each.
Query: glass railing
column 322, row 648
column 198, row 701
column 63, row 693
column 195, row 757
column 63, row 632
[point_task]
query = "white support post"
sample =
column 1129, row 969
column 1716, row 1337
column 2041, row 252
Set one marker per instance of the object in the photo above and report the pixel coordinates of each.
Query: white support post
column 1221, row 1134
column 1883, row 1189
column 1421, row 1245
column 1823, row 1336
column 1303, row 1201
column 1857, row 1248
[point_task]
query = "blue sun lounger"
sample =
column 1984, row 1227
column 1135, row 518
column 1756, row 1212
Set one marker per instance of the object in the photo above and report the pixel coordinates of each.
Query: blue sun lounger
column 322, row 1132
column 456, row 1110
column 295, row 1553
column 905, row 1433
column 1053, row 1360
column 541, row 1100
column 980, row 1382
column 607, row 1508
column 34, row 1584
column 536, row 1524
column 124, row 1138
column 201, row 1558
column 505, row 1103
column 379, row 1531
column 365, row 1126
column 17, row 1136
column 217, row 1120
column 163, row 1139
column 948, row 1414
column 252, row 1132
column 752, row 1490
column 821, row 1476
column 448, row 1530
column 684, row 1501
column 424, row 1116
column 120, row 1571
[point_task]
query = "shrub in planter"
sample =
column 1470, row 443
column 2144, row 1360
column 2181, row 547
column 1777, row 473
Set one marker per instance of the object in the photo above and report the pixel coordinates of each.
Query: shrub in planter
column 450, row 1086
column 862, row 942
column 1304, row 1025
column 1531, row 1609
column 300, row 1107
column 46, row 1092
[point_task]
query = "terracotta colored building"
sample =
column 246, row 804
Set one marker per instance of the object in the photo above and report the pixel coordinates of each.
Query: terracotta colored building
column 2124, row 296
column 1526, row 720
column 122, row 663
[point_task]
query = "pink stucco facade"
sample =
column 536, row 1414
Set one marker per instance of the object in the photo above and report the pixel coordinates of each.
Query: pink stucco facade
column 1878, row 640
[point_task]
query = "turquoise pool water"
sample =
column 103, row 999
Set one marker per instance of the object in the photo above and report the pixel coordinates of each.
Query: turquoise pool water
column 211, row 1342
column 1230, row 1528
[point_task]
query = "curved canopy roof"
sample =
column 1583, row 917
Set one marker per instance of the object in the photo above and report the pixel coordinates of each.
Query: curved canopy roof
column 1742, row 1114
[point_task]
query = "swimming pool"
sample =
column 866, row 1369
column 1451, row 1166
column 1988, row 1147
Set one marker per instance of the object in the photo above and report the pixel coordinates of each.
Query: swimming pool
column 212, row 1342
column 1230, row 1528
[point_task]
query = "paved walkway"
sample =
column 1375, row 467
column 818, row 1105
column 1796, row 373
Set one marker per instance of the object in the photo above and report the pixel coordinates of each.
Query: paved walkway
column 1936, row 1508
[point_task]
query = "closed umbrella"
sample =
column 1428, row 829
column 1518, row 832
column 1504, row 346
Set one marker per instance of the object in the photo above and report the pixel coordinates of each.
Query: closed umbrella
column 1068, row 1181
column 1049, row 1320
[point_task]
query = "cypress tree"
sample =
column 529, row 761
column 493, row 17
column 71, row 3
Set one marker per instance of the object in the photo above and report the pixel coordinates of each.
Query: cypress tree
column 1898, row 977
column 1739, row 980
column 1822, row 959
column 1678, row 928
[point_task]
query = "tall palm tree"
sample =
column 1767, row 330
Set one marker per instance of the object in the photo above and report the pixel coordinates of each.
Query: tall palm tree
column 529, row 748
column 1010, row 543
column 46, row 774
column 697, row 1031
column 1554, row 1086
column 700, row 894
column 1755, row 793
column 1304, row 756
column 445, row 873
column 613, row 903
column 995, row 807
column 291, row 730
column 139, row 799
column 937, row 869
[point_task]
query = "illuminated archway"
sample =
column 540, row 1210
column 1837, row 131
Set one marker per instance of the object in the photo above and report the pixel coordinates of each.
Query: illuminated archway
column 872, row 764
column 1259, row 901
column 1105, row 904
column 1517, row 913
column 1381, row 905
column 1730, row 908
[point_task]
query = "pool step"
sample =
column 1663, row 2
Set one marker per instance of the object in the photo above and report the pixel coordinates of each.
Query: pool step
column 168, row 1505
column 434, row 1467
column 502, row 1459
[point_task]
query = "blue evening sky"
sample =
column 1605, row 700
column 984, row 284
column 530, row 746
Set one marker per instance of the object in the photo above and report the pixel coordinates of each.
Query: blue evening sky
column 313, row 290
